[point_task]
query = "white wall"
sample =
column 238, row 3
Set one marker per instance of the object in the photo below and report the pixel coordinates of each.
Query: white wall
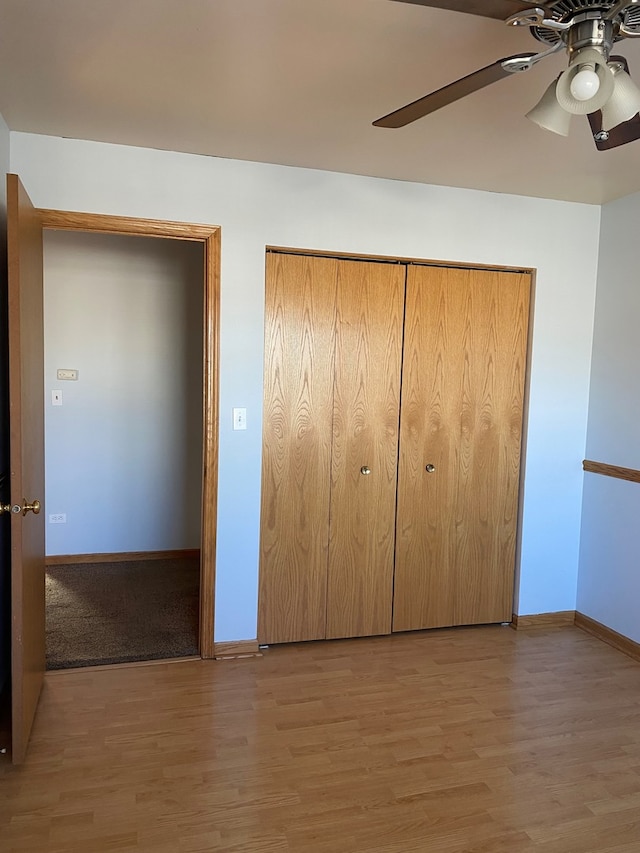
column 123, row 459
column 609, row 579
column 259, row 204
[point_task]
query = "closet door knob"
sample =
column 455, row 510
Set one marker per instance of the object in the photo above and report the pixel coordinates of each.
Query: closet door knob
column 430, row 468
column 365, row 469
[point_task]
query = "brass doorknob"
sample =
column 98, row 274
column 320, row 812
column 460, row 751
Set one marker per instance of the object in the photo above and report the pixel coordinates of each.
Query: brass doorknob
column 24, row 509
column 430, row 468
column 365, row 469
column 32, row 507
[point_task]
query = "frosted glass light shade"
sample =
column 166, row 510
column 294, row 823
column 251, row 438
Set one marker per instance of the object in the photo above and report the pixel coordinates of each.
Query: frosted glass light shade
column 548, row 113
column 624, row 103
column 594, row 59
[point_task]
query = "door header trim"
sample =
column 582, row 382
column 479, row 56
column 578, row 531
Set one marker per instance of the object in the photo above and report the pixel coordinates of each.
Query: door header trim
column 67, row 220
column 397, row 259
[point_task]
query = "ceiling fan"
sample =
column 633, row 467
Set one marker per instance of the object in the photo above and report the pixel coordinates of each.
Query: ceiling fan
column 595, row 83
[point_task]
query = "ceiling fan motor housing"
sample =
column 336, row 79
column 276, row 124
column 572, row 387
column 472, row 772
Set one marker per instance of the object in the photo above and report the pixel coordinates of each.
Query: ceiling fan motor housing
column 590, row 32
column 585, row 14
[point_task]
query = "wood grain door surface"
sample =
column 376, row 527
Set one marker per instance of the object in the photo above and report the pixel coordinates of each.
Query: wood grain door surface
column 26, row 412
column 296, row 460
column 366, row 401
column 360, row 375
column 462, row 412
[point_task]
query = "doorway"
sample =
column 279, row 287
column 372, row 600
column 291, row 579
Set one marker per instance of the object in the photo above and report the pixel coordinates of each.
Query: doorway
column 123, row 438
column 131, row 436
column 25, row 225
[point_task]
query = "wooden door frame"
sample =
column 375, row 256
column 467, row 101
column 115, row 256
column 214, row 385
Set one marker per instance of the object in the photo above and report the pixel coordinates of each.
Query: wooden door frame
column 209, row 236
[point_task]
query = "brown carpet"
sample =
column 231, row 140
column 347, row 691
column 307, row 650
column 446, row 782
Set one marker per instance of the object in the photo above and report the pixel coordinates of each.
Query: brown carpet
column 101, row 613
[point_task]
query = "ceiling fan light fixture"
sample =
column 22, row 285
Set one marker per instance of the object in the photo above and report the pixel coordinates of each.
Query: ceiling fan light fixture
column 585, row 84
column 624, row 103
column 548, row 113
column 579, row 72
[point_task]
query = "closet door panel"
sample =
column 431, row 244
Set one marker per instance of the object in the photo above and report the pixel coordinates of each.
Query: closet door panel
column 462, row 413
column 299, row 347
column 370, row 301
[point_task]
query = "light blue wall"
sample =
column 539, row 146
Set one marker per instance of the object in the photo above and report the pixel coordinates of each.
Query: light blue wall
column 614, row 406
column 260, row 204
column 609, row 576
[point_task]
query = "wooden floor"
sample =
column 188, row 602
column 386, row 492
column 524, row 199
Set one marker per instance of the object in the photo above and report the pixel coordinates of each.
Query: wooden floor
column 481, row 740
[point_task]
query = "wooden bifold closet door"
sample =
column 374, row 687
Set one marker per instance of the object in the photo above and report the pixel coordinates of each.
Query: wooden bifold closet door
column 393, row 414
column 298, row 396
column 364, row 457
column 329, row 473
column 460, row 438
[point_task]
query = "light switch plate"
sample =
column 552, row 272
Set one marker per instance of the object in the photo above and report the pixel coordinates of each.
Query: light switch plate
column 239, row 418
column 56, row 398
column 66, row 373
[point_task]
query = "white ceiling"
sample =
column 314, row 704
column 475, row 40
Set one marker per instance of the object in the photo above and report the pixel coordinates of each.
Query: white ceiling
column 298, row 82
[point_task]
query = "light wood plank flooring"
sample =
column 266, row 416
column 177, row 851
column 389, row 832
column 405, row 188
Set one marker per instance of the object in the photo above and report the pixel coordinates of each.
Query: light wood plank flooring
column 481, row 740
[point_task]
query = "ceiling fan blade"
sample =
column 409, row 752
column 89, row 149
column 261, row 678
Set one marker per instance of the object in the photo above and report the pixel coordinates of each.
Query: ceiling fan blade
column 623, row 133
column 448, row 94
column 619, row 135
column 500, row 9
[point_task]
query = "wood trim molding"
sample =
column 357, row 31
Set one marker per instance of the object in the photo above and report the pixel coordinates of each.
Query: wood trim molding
column 134, row 664
column 237, row 649
column 67, row 220
column 210, row 419
column 631, row 474
column 395, row 259
column 210, row 236
column 608, row 635
column 120, row 557
column 559, row 619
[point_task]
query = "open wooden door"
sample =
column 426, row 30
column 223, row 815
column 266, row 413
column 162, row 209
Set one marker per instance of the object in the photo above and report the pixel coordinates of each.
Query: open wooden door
column 26, row 414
